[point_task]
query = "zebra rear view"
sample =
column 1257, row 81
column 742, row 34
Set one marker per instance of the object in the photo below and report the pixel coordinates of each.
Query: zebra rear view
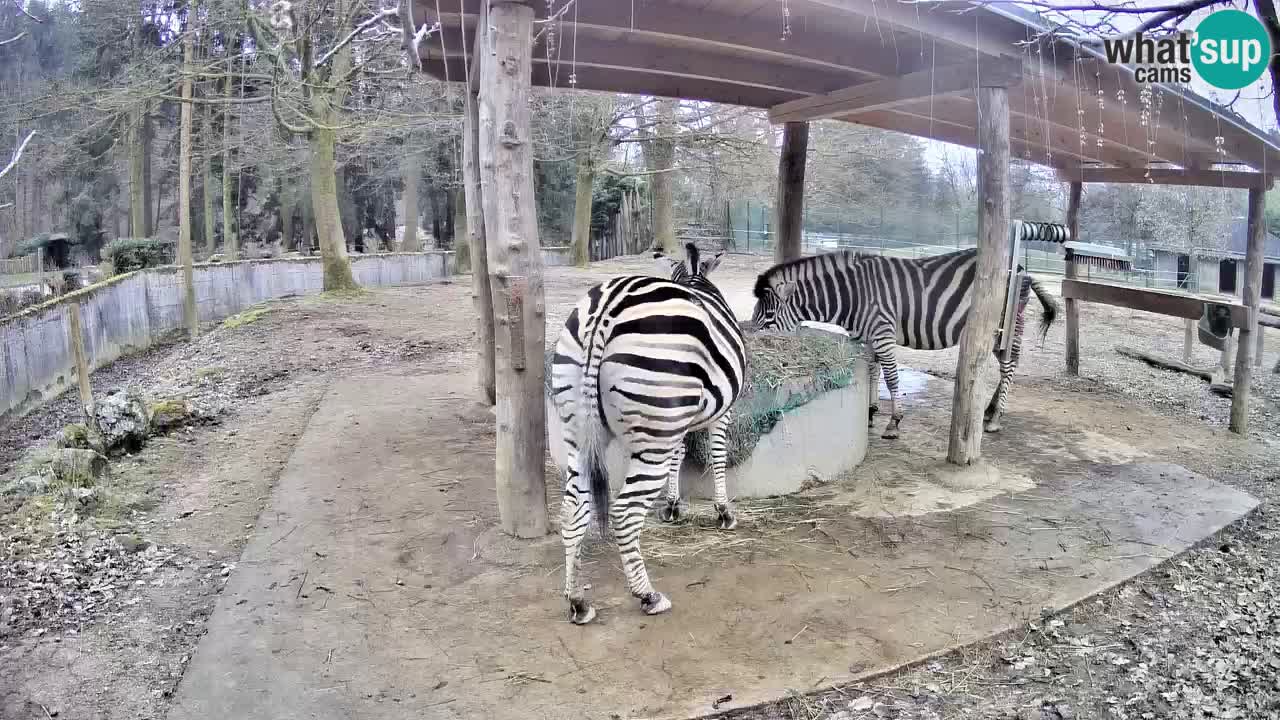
column 919, row 303
column 645, row 361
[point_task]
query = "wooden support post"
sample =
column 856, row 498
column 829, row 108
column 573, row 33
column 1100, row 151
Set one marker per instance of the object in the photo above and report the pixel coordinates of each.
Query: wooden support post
column 481, row 295
column 1252, row 298
column 1073, row 308
column 790, row 204
column 1188, row 339
column 986, row 297
column 1257, row 352
column 75, row 336
column 515, row 268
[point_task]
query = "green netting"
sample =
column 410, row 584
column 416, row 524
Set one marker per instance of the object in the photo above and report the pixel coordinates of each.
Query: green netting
column 784, row 372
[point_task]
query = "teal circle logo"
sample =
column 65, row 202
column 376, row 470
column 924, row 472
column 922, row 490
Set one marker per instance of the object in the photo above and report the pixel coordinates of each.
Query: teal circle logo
column 1231, row 49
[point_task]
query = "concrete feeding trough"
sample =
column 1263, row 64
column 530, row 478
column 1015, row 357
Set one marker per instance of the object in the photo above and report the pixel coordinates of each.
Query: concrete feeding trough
column 802, row 418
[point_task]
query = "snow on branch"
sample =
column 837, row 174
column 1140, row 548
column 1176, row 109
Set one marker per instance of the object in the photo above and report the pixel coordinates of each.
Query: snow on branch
column 17, row 154
column 378, row 18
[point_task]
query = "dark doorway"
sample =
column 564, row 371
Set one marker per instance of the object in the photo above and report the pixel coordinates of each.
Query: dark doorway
column 1269, row 280
column 1227, row 277
column 1184, row 270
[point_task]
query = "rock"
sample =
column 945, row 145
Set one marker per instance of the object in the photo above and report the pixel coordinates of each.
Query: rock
column 122, row 420
column 132, row 543
column 82, row 500
column 25, row 486
column 862, row 704
column 67, row 466
column 169, row 413
column 216, row 258
column 75, row 435
column 883, row 710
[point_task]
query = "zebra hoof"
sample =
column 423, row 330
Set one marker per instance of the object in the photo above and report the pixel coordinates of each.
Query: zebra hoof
column 671, row 511
column 655, row 603
column 726, row 520
column 991, row 426
column 890, row 434
column 580, row 611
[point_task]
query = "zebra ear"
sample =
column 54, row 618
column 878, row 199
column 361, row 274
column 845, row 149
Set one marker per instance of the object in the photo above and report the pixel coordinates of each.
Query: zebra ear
column 785, row 290
column 711, row 263
column 666, row 263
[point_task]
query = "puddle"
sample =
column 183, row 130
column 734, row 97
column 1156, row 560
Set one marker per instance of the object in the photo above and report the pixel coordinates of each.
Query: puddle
column 910, row 382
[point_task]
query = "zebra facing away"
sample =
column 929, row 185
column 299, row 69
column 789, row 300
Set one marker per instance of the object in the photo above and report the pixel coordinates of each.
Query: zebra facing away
column 920, row 303
column 643, row 360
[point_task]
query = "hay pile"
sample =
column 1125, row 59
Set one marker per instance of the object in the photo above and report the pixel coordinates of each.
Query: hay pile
column 784, row 372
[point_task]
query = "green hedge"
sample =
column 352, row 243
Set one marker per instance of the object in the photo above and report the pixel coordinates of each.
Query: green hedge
column 129, row 254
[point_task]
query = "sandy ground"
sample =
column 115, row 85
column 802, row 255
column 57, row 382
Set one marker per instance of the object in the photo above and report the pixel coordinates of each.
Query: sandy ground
column 1198, row 628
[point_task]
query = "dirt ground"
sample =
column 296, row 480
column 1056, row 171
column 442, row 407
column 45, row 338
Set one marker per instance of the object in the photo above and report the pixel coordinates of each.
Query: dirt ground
column 1197, row 636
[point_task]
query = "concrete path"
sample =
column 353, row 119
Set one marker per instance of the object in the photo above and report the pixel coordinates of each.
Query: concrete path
column 377, row 587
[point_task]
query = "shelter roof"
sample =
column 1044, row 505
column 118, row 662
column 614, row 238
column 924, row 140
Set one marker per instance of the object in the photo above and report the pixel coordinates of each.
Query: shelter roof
column 905, row 66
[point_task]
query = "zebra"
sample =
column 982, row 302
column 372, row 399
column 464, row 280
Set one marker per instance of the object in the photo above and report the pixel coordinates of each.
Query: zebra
column 644, row 360
column 920, row 303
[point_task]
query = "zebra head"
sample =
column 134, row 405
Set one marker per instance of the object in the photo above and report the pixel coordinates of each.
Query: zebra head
column 776, row 306
column 693, row 266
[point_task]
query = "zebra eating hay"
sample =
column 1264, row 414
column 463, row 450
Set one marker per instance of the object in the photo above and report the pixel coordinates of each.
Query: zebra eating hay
column 920, row 303
column 644, row 360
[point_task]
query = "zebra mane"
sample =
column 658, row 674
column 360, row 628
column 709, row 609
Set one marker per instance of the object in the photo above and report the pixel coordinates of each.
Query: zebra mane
column 765, row 280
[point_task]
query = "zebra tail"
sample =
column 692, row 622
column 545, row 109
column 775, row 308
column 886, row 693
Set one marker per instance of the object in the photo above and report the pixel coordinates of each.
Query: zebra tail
column 1048, row 302
column 593, row 440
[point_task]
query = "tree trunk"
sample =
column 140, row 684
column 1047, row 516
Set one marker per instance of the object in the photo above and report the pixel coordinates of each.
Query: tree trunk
column 1251, row 295
column 1073, row 308
column 412, row 170
column 324, row 202
column 230, row 243
column 790, row 202
column 286, row 217
column 210, row 242
column 461, row 248
column 184, row 187
column 139, row 217
column 450, row 214
column 662, row 153
column 515, row 269
column 151, row 208
column 308, row 241
column 581, row 237
column 987, row 292
column 477, row 243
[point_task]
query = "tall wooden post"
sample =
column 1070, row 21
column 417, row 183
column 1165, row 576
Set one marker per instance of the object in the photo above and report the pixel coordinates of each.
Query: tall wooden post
column 790, row 203
column 1252, row 298
column 481, row 296
column 1188, row 340
column 1073, row 308
column 75, row 335
column 515, row 267
column 987, row 292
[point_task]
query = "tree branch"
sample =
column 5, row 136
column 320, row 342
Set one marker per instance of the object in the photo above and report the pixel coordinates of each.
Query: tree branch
column 23, row 10
column 13, row 39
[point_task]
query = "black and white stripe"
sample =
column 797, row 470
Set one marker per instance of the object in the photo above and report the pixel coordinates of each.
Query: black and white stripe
column 642, row 360
column 920, row 303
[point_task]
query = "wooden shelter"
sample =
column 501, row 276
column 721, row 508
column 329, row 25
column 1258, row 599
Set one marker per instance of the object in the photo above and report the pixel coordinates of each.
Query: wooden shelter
column 981, row 76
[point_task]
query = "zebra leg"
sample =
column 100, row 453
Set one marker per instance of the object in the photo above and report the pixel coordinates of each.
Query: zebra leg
column 874, row 395
column 991, row 420
column 884, row 353
column 646, row 475
column 671, row 510
column 575, row 517
column 720, row 461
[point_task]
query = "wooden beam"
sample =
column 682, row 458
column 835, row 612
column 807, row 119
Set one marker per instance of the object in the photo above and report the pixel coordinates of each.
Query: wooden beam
column 965, row 445
column 1252, row 297
column 789, row 215
column 953, row 130
column 1170, row 176
column 515, row 269
column 993, row 72
column 1161, row 302
column 75, row 336
column 1073, row 310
